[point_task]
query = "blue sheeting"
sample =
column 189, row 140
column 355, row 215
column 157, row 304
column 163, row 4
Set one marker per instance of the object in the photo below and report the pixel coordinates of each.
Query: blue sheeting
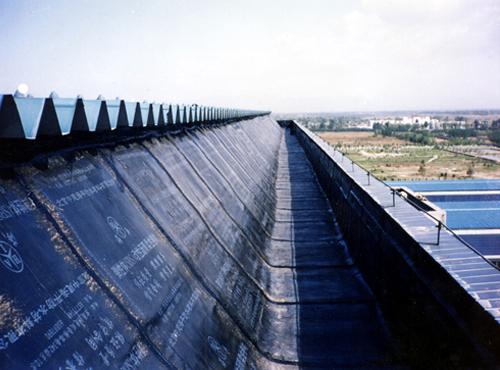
column 471, row 196
column 463, row 211
column 450, row 185
column 467, row 219
column 472, row 214
column 465, row 205
column 466, row 211
column 489, row 245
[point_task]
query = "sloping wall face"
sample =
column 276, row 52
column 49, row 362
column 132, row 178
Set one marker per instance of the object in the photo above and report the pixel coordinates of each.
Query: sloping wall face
column 209, row 248
column 127, row 257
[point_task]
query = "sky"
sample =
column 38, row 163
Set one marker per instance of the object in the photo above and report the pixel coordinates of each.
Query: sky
column 281, row 55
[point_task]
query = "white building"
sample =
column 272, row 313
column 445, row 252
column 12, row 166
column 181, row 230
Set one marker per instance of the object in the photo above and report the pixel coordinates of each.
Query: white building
column 427, row 121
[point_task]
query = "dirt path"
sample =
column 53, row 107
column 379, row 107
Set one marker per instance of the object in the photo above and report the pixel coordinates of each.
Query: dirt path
column 433, row 159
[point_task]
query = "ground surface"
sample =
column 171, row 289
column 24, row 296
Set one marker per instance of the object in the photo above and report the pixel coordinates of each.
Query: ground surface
column 359, row 138
column 484, row 151
column 394, row 159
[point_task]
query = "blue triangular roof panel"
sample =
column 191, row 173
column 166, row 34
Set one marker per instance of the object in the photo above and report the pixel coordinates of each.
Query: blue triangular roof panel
column 92, row 108
column 179, row 116
column 156, row 113
column 30, row 110
column 130, row 108
column 113, row 112
column 175, row 108
column 65, row 111
column 164, row 112
column 144, row 113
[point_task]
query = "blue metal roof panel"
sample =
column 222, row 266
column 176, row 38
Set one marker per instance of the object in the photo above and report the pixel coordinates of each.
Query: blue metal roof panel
column 30, row 111
column 92, row 108
column 156, row 113
column 130, row 108
column 144, row 112
column 487, row 244
column 65, row 110
column 467, row 219
column 113, row 112
column 449, row 185
column 475, row 205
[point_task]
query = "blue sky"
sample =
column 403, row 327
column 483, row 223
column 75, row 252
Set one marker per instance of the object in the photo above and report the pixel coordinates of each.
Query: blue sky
column 287, row 56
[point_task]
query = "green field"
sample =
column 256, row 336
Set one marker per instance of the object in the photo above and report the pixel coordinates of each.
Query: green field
column 405, row 161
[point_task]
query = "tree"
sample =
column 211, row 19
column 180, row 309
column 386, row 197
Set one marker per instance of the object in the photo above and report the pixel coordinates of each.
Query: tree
column 421, row 169
column 494, row 136
column 470, row 170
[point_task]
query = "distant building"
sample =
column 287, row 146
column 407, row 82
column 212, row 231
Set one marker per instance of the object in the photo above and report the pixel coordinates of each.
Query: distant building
column 424, row 121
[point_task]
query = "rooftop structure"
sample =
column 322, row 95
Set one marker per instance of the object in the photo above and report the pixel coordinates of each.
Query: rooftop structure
column 472, row 209
column 230, row 241
column 30, row 118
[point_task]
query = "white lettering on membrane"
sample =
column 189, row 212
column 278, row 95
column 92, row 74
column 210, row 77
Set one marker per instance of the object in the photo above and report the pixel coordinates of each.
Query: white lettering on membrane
column 9, row 255
column 100, row 335
column 134, row 359
column 121, row 232
column 84, row 193
column 35, row 316
column 219, row 349
column 57, row 343
column 183, row 318
column 69, row 176
column 221, row 276
column 137, row 254
column 49, row 334
column 241, row 357
column 74, row 362
column 17, row 207
column 249, row 302
column 150, row 282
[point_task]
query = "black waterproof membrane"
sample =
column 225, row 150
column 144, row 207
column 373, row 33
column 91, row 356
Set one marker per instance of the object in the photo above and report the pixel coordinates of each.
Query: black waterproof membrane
column 53, row 313
column 213, row 248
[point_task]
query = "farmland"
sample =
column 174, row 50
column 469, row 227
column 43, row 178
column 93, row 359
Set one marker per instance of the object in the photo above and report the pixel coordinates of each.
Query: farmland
column 359, row 138
column 390, row 158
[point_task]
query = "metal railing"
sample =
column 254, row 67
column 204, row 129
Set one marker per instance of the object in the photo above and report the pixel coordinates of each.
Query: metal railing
column 439, row 224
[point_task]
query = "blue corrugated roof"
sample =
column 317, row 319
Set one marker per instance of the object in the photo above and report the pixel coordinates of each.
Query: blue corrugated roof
column 472, row 210
column 472, row 205
column 489, row 245
column 469, row 219
column 450, row 185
